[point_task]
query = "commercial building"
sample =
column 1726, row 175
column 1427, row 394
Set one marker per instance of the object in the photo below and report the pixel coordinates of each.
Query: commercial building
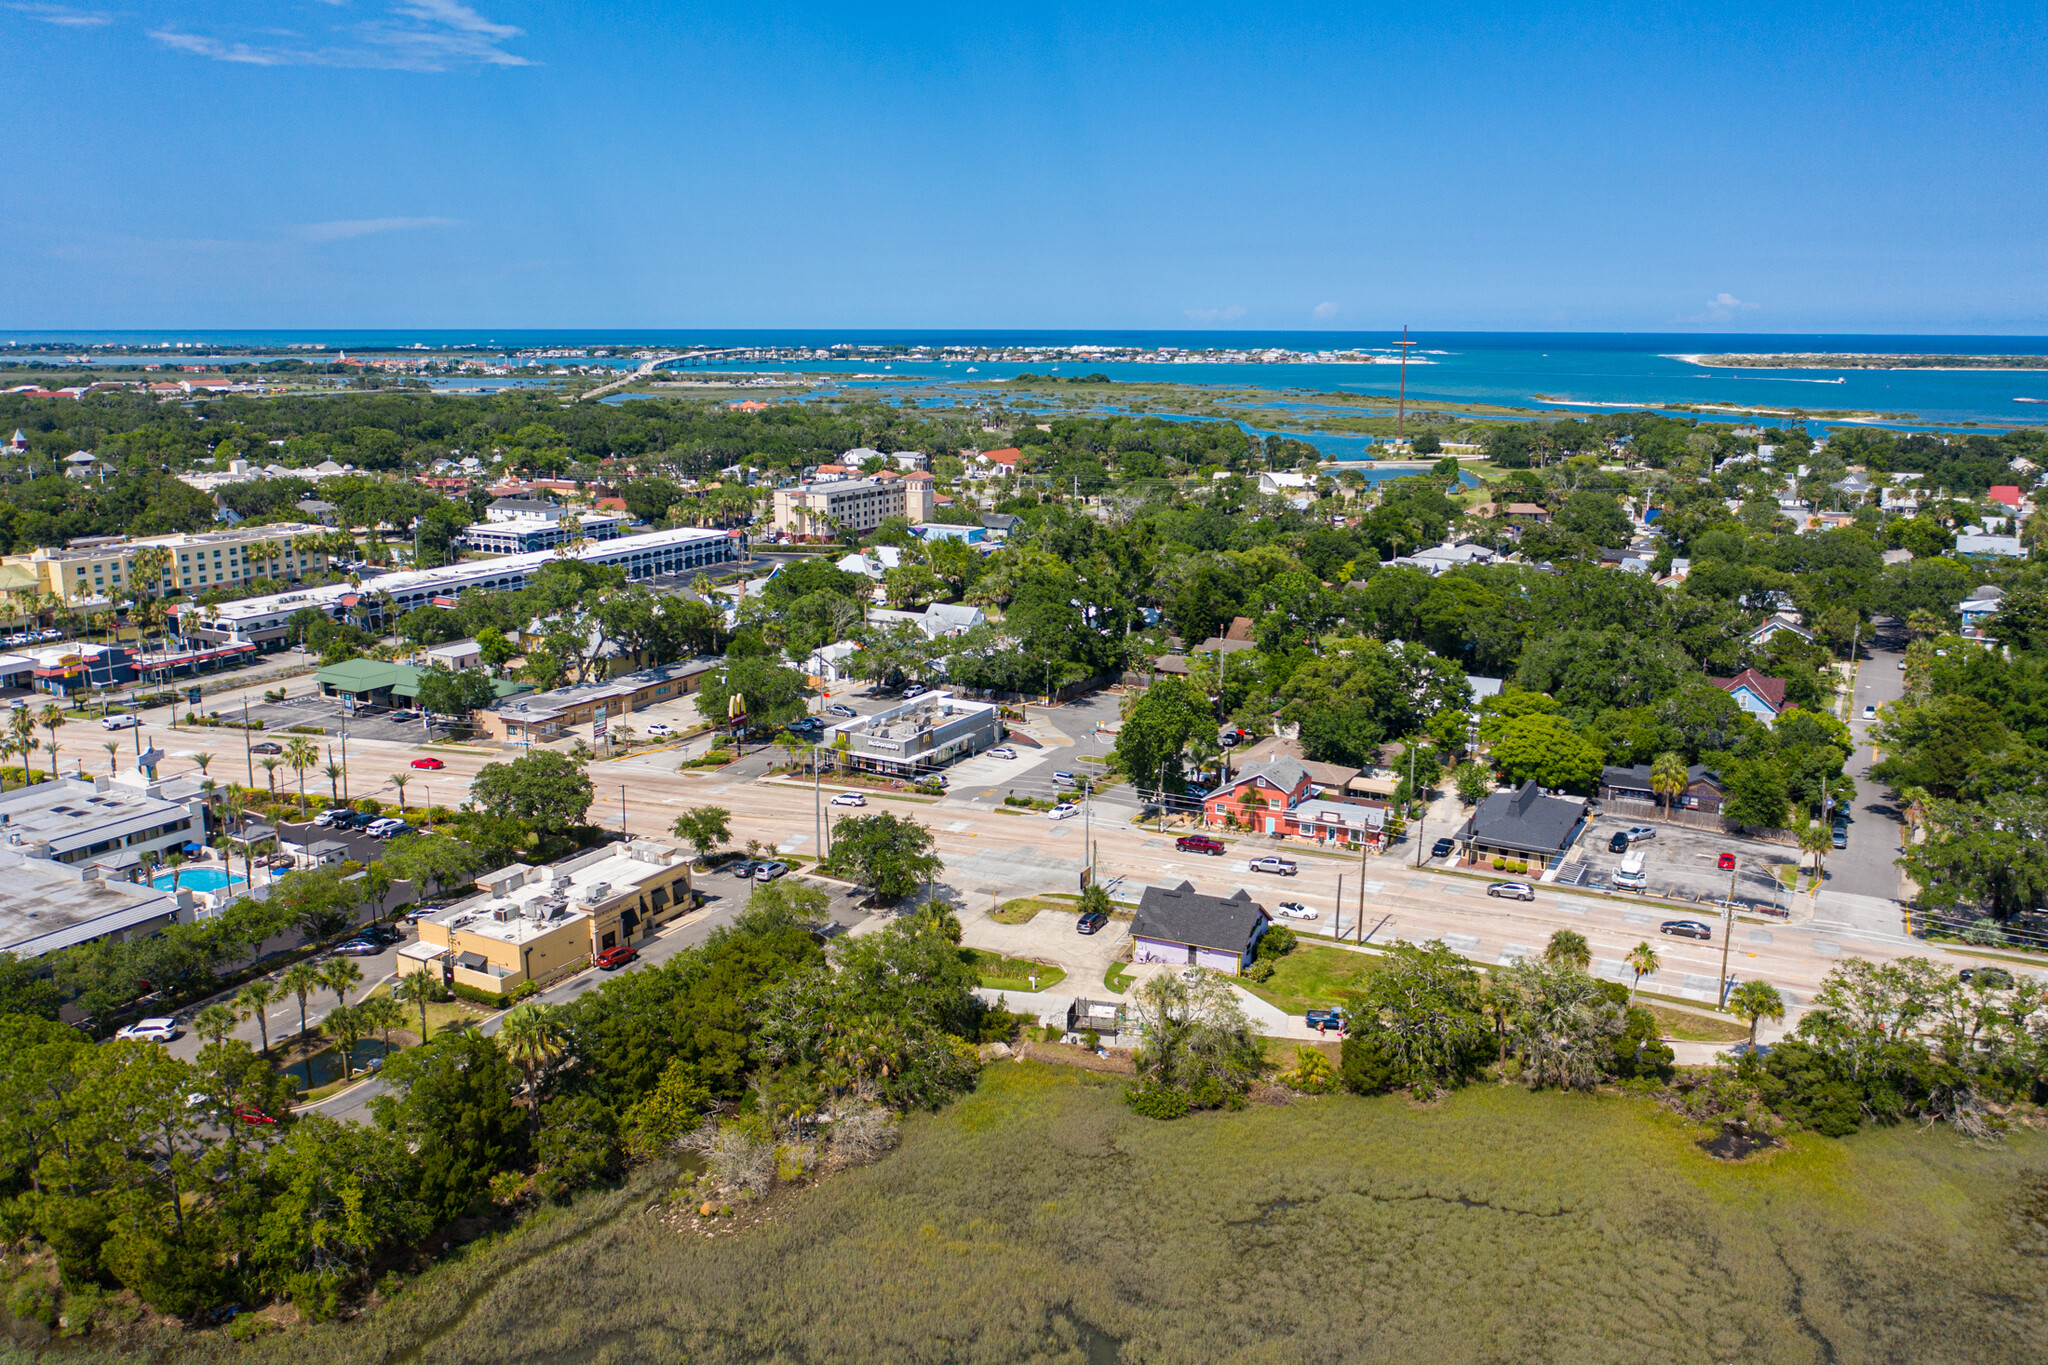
column 105, row 822
column 1523, row 825
column 1702, row 790
column 545, row 716
column 826, row 507
column 89, row 572
column 535, row 923
column 51, row 905
column 372, row 682
column 919, row 735
column 1179, row 926
column 521, row 525
column 266, row 621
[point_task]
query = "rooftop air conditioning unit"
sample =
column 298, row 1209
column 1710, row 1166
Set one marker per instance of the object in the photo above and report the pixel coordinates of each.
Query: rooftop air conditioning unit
column 503, row 913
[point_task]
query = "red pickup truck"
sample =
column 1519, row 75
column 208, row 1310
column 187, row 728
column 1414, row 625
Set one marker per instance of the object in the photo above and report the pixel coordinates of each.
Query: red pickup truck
column 1199, row 843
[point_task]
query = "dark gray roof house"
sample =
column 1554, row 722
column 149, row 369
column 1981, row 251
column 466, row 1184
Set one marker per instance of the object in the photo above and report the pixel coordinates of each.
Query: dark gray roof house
column 1525, row 823
column 1703, row 790
column 1181, row 926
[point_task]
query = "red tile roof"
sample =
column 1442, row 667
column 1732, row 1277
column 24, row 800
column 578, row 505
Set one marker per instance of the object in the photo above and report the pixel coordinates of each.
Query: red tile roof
column 2009, row 494
column 1007, row 455
column 1772, row 690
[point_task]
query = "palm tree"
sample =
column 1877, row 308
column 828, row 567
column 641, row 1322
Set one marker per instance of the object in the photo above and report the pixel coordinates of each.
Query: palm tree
column 21, row 737
column 532, row 1038
column 1569, row 947
column 346, row 1027
column 341, row 976
column 1816, row 839
column 1667, row 779
column 202, row 760
column 270, row 767
column 301, row 979
column 301, row 755
column 1755, row 1000
column 333, row 774
column 1642, row 960
column 399, row 780
column 214, row 1022
column 416, row 987
column 50, row 717
column 113, row 749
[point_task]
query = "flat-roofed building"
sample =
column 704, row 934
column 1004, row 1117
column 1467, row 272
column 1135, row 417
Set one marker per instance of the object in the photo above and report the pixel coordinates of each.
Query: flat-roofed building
column 266, row 621
column 545, row 716
column 919, row 735
column 825, row 507
column 50, row 905
column 94, row 570
column 107, row 822
column 520, row 525
column 535, row 923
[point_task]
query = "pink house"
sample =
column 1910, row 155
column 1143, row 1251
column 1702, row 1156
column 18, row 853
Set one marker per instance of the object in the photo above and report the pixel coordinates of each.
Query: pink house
column 1260, row 797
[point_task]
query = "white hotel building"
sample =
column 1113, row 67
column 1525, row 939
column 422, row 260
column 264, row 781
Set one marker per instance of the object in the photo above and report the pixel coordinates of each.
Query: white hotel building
column 266, row 621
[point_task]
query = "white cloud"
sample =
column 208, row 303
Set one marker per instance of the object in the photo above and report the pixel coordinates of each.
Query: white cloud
column 1725, row 305
column 63, row 15
column 1325, row 311
column 414, row 35
column 1230, row 314
column 364, row 227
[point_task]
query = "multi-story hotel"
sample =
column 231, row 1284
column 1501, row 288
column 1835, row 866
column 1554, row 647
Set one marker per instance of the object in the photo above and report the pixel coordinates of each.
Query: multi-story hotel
column 825, row 508
column 90, row 572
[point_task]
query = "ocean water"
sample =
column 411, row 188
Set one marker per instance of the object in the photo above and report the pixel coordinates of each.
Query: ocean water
column 1582, row 372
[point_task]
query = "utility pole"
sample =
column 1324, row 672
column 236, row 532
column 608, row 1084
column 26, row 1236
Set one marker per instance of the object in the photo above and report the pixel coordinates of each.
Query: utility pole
column 817, row 806
column 1337, row 915
column 248, row 754
column 1727, row 935
column 1359, row 928
column 622, row 810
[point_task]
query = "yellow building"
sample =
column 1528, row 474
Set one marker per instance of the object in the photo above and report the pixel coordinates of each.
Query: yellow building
column 536, row 923
column 90, row 572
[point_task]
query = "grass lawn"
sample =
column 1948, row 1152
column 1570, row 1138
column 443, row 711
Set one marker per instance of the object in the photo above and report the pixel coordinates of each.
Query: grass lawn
column 1696, row 1028
column 1118, row 978
column 1000, row 973
column 1023, row 909
column 1040, row 1220
column 1312, row 975
column 439, row 1014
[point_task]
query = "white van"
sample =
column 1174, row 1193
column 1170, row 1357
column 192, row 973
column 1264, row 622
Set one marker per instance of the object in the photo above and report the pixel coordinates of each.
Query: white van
column 1629, row 876
column 120, row 723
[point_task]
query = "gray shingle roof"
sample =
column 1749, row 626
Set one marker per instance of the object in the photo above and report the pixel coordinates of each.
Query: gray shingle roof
column 1526, row 820
column 1181, row 914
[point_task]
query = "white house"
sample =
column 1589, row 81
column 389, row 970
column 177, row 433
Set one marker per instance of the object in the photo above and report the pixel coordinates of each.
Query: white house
column 1284, row 482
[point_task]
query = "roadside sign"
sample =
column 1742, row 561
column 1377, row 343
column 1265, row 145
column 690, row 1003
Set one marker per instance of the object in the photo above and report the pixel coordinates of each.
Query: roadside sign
column 597, row 723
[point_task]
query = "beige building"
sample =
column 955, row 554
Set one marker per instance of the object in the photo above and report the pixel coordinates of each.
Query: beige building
column 89, row 572
column 535, row 923
column 822, row 508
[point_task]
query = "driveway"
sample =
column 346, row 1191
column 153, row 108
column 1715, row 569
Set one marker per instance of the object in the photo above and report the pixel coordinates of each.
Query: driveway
column 1867, row 867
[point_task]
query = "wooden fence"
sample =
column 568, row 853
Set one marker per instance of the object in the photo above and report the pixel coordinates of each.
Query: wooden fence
column 1649, row 812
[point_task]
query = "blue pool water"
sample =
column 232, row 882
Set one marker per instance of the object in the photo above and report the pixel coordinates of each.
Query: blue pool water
column 195, row 879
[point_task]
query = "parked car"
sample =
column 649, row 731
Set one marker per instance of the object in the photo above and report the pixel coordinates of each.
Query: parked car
column 1278, row 866
column 659, row 729
column 1870, row 713
column 1090, row 922
column 1295, row 910
column 407, row 714
column 745, row 867
column 358, row 947
column 1002, row 751
column 914, row 690
column 611, row 959
column 1998, row 978
column 268, row 747
column 432, row 765
column 158, row 1030
column 1839, row 835
column 1514, row 891
column 334, row 819
column 849, row 799
column 1198, row 793
column 119, row 723
column 1199, row 843
column 1326, row 1019
column 1726, row 862
column 768, row 872
column 1686, row 928
column 1637, row 833
column 1064, row 810
column 842, row 710
column 1619, row 843
column 382, row 933
column 387, row 827
column 1060, row 779
column 1442, row 847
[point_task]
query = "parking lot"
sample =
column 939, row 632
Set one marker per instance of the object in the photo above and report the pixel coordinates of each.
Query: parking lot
column 1681, row 863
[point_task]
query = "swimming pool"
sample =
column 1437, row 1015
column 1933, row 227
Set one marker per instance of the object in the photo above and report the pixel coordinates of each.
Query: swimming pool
column 196, row 879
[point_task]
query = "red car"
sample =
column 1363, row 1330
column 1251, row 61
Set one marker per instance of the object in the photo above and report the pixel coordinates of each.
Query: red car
column 1727, row 863
column 1199, row 843
column 430, row 764
column 612, row 958
column 254, row 1116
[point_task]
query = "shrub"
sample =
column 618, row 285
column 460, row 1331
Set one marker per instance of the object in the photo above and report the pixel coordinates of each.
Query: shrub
column 1090, row 1039
column 496, row 1001
column 1157, row 1101
column 862, row 1131
column 1277, row 942
column 1311, row 1073
column 1261, row 970
column 34, row 1300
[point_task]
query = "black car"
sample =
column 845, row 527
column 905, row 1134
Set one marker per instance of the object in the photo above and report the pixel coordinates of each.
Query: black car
column 1686, row 928
column 1619, row 843
column 1091, row 921
column 1442, row 847
column 381, row 933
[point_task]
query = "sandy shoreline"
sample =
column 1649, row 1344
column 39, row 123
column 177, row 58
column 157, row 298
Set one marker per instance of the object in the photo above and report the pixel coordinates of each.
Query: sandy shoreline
column 1713, row 362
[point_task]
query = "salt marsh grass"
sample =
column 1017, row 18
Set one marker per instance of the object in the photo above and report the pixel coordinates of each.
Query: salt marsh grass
column 1038, row 1218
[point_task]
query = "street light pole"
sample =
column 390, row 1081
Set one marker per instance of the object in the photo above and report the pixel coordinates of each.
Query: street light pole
column 1727, row 934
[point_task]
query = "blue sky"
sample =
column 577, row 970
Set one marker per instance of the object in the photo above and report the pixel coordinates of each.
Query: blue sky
column 333, row 163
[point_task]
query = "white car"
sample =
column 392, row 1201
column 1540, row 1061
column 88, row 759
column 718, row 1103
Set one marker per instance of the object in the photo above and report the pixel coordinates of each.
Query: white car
column 120, row 722
column 1002, row 751
column 1870, row 713
column 386, row 827
column 159, row 1030
column 659, row 729
column 849, row 799
column 1062, row 811
column 1295, row 910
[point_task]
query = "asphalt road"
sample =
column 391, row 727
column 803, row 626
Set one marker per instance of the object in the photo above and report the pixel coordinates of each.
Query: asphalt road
column 1868, row 866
